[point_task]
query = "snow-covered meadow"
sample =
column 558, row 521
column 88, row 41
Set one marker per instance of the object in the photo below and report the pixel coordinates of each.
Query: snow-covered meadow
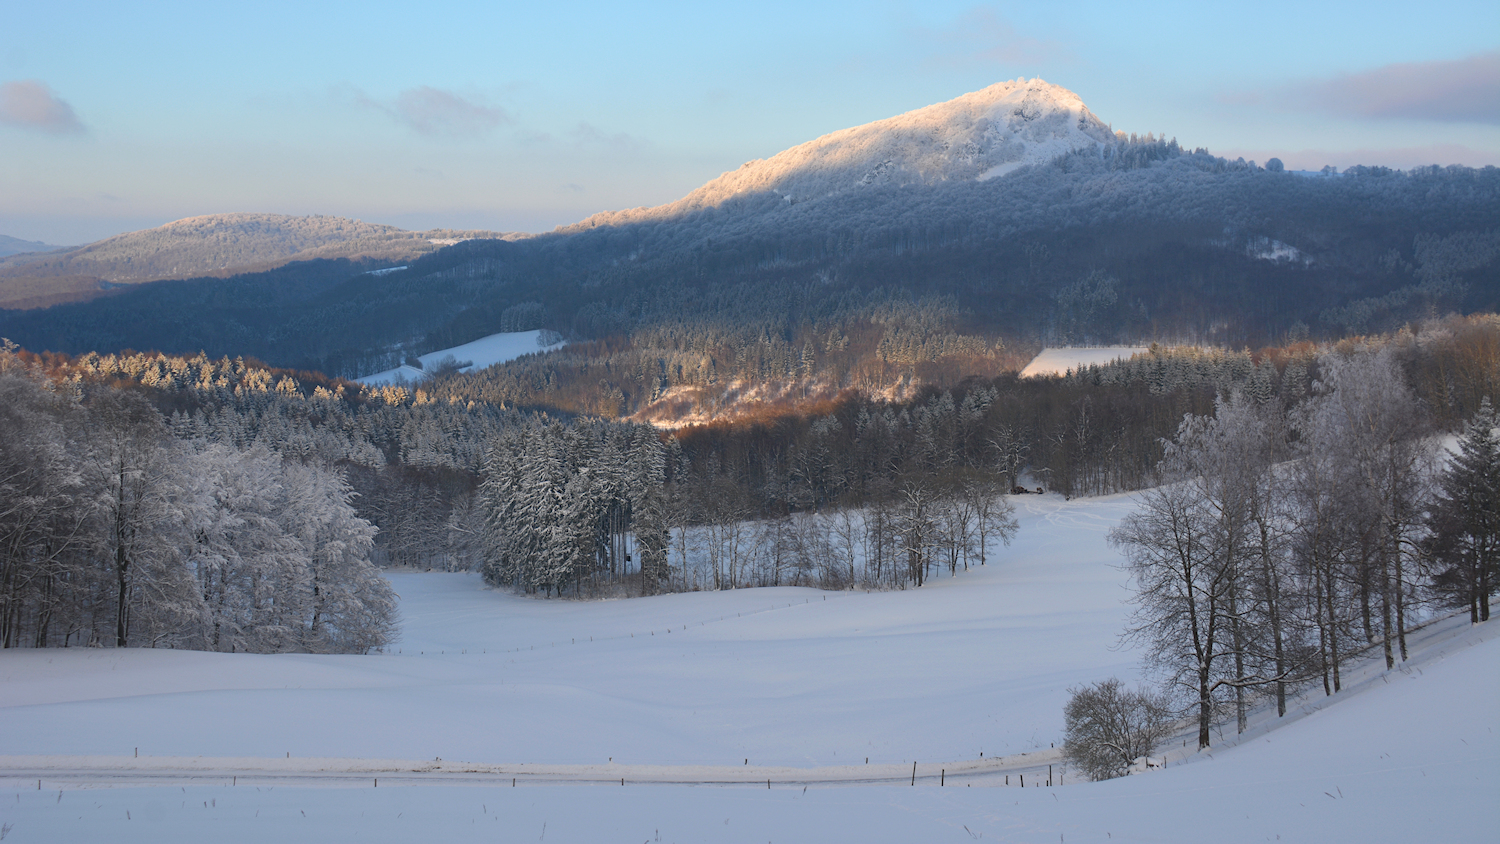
column 681, row 695
column 486, row 351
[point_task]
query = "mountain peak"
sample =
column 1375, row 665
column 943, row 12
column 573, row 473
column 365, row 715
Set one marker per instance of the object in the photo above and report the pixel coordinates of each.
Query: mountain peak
column 980, row 135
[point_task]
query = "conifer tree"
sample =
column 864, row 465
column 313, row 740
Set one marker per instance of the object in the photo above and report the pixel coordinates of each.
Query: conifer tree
column 1465, row 522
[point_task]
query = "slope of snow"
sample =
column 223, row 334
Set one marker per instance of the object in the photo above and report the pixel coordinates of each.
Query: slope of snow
column 486, row 351
column 1059, row 361
column 783, row 676
column 979, row 135
column 1414, row 758
column 803, row 684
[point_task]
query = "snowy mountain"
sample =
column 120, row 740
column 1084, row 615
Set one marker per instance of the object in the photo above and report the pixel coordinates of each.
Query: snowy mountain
column 977, row 136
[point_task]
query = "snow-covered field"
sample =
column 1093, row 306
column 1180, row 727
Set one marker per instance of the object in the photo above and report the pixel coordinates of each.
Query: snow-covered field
column 486, row 351
column 690, row 698
column 1059, row 361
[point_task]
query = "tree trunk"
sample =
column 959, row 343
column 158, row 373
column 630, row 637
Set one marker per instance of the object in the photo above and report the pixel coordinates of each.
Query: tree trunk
column 122, row 566
column 1333, row 632
column 1385, row 616
column 1205, row 706
column 1400, row 594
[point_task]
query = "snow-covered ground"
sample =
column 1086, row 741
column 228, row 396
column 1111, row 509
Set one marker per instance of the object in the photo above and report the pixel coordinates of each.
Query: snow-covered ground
column 796, row 686
column 486, row 351
column 1059, row 361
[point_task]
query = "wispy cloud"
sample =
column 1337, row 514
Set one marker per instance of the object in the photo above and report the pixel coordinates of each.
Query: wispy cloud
column 1453, row 91
column 438, row 113
column 589, row 134
column 30, row 104
column 980, row 37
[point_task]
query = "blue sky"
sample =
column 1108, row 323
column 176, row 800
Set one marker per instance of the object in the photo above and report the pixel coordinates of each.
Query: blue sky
column 119, row 116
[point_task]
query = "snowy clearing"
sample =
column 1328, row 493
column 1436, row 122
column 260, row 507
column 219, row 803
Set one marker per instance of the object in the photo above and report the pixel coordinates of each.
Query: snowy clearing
column 386, row 271
column 1059, row 361
column 795, row 686
column 486, row 351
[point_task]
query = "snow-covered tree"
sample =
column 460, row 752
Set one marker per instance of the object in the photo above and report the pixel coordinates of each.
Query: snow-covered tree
column 1364, row 414
column 346, row 606
column 129, row 473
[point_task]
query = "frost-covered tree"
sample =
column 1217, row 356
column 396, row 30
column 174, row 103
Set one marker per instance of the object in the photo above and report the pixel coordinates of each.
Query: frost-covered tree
column 43, row 514
column 248, row 570
column 129, row 473
column 562, row 503
column 345, row 605
column 1365, row 417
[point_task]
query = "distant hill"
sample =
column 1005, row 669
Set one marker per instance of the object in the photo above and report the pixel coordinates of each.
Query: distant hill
column 212, row 245
column 16, row 246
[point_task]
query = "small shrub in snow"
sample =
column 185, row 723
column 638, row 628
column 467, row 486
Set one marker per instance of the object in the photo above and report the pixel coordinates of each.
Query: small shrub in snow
column 1107, row 727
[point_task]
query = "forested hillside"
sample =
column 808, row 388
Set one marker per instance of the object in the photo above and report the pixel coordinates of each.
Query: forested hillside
column 1128, row 241
column 950, row 241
